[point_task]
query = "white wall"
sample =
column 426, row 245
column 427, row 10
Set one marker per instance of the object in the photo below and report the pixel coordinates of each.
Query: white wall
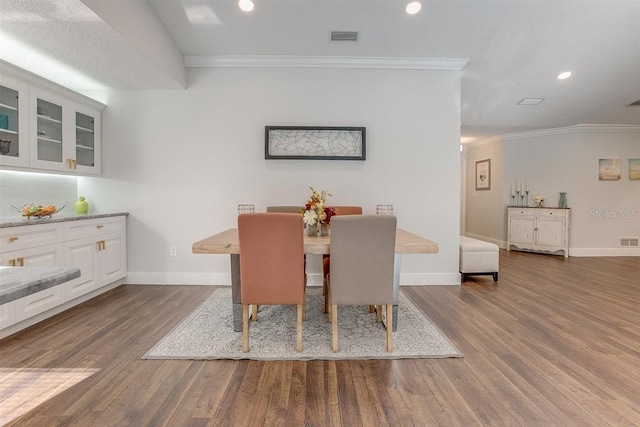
column 19, row 188
column 180, row 161
column 566, row 159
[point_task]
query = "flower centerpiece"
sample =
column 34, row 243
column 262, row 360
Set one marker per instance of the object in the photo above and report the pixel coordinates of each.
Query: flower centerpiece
column 539, row 200
column 316, row 215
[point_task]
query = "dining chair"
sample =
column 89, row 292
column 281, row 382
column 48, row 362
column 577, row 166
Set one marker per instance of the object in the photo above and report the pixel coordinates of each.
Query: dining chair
column 271, row 265
column 362, row 266
column 285, row 209
column 326, row 264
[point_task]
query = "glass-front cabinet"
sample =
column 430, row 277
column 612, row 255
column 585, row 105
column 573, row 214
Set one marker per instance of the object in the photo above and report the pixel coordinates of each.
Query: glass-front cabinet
column 64, row 135
column 14, row 123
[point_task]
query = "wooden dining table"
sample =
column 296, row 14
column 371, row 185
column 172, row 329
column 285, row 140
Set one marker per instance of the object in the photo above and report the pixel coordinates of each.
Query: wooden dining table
column 228, row 243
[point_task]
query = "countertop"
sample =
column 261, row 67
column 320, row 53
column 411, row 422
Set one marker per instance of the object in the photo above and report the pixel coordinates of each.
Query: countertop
column 16, row 221
column 18, row 282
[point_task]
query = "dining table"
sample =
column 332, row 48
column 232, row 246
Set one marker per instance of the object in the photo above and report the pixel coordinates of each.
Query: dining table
column 228, row 243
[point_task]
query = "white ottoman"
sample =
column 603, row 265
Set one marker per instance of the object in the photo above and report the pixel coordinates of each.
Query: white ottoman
column 478, row 257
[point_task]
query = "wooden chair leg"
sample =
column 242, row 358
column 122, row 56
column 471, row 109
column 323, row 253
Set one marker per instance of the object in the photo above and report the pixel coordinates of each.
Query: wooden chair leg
column 245, row 328
column 325, row 292
column 389, row 328
column 299, row 327
column 254, row 312
column 334, row 327
column 379, row 314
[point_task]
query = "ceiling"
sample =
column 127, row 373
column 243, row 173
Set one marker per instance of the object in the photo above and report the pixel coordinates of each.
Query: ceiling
column 515, row 48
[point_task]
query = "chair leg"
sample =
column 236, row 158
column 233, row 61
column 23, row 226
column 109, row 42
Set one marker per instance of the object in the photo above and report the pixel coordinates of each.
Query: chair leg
column 299, row 327
column 327, row 303
column 334, row 327
column 325, row 292
column 372, row 309
column 379, row 314
column 245, row 328
column 389, row 328
column 254, row 312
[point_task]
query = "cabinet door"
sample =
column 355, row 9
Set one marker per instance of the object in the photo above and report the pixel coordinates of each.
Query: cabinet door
column 7, row 314
column 550, row 231
column 113, row 258
column 81, row 254
column 49, row 124
column 14, row 122
column 42, row 256
column 39, row 302
column 522, row 229
column 86, row 147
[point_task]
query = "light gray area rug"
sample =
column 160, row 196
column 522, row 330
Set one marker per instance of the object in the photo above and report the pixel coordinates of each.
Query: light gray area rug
column 207, row 333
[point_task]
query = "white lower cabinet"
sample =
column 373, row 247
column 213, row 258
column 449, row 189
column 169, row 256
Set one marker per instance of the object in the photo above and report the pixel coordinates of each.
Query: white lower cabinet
column 539, row 229
column 98, row 247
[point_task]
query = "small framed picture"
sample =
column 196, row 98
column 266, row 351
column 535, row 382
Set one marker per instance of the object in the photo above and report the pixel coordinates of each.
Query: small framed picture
column 634, row 169
column 609, row 169
column 483, row 174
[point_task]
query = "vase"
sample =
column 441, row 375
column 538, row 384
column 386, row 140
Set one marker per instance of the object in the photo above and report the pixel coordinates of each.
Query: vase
column 318, row 230
column 563, row 201
column 82, row 206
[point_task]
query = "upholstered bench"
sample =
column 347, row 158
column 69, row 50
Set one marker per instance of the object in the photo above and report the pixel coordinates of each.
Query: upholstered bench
column 478, row 257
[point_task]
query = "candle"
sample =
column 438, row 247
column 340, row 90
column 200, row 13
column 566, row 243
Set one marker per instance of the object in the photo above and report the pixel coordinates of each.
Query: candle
column 513, row 190
column 527, row 185
column 518, row 187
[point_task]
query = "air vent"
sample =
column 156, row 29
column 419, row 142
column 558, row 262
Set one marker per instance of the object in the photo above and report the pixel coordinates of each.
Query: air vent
column 629, row 242
column 634, row 104
column 344, row 36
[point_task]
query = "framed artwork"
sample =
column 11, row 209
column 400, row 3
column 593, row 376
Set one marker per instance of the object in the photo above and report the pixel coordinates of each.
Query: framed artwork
column 609, row 169
column 483, row 174
column 634, row 168
column 314, row 143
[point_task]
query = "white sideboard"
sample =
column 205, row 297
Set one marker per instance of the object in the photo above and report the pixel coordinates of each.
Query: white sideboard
column 97, row 246
column 539, row 229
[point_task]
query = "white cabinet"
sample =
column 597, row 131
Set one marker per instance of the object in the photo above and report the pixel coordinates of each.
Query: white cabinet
column 46, row 127
column 98, row 248
column 65, row 136
column 539, row 229
column 14, row 122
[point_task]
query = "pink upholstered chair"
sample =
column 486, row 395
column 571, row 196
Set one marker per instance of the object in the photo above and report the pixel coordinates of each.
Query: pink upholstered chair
column 271, row 265
column 285, row 209
column 362, row 262
column 326, row 265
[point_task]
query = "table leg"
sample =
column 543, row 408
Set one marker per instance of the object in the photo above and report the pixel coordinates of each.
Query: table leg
column 396, row 291
column 235, row 292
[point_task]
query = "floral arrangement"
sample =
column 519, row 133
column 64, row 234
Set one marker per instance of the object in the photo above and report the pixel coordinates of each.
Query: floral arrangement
column 315, row 210
column 538, row 199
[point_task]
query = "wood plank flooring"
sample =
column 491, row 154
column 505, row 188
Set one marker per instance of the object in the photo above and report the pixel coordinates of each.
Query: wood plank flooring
column 555, row 343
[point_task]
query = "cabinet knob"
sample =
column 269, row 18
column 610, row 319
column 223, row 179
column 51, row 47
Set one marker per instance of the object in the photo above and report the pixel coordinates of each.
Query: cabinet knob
column 99, row 226
column 20, row 261
column 12, row 262
column 13, row 238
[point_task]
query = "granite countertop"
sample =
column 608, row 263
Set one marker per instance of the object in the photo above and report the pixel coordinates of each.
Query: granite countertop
column 18, row 282
column 15, row 221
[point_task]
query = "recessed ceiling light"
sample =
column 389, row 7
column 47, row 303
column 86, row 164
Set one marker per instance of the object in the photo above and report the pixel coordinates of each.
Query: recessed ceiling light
column 246, row 5
column 564, row 75
column 530, row 101
column 413, row 7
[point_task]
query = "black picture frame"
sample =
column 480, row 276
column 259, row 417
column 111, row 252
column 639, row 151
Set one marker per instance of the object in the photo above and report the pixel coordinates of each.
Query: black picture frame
column 314, row 143
column 483, row 175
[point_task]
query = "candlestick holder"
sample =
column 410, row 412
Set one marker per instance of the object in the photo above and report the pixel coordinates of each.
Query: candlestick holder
column 522, row 200
column 513, row 200
column 517, row 196
column 527, row 191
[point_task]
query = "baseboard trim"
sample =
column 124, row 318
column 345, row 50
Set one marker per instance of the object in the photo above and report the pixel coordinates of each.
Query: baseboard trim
column 315, row 279
column 601, row 252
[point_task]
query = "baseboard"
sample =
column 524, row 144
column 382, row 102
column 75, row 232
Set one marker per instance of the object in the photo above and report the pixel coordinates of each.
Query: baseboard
column 315, row 279
column 597, row 252
column 501, row 244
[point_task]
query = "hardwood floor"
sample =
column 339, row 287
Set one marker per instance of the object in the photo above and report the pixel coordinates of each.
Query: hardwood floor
column 555, row 343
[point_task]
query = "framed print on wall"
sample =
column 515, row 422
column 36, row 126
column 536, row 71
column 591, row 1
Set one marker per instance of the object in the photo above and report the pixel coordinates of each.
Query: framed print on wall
column 634, row 169
column 314, row 143
column 609, row 169
column 483, row 174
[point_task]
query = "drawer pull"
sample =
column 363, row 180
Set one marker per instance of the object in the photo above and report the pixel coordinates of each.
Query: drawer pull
column 20, row 262
column 99, row 226
column 12, row 262
column 13, row 238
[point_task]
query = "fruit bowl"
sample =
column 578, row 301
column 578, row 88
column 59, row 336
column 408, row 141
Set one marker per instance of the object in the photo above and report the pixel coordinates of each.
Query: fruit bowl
column 37, row 211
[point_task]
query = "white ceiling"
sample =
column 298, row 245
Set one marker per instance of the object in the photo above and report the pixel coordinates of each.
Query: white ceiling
column 515, row 47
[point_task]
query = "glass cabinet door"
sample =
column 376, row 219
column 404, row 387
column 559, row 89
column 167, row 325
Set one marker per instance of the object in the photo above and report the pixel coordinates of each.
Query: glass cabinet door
column 85, row 140
column 14, row 147
column 47, row 130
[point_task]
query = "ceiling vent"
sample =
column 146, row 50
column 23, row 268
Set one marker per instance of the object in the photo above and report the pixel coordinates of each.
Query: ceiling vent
column 344, row 36
column 629, row 242
column 634, row 104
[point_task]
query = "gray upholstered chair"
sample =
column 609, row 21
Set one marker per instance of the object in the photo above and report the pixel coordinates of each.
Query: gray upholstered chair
column 271, row 265
column 362, row 262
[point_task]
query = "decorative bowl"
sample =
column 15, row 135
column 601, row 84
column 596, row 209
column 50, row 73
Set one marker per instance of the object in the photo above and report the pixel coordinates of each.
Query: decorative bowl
column 37, row 211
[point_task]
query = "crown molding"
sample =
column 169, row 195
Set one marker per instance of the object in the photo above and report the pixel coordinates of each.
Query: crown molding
column 199, row 61
column 554, row 131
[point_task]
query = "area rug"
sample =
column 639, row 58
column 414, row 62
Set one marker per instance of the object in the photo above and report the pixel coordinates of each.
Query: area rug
column 207, row 333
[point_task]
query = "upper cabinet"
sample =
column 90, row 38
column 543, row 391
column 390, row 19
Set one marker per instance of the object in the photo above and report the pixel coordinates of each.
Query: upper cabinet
column 52, row 129
column 65, row 136
column 14, row 122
